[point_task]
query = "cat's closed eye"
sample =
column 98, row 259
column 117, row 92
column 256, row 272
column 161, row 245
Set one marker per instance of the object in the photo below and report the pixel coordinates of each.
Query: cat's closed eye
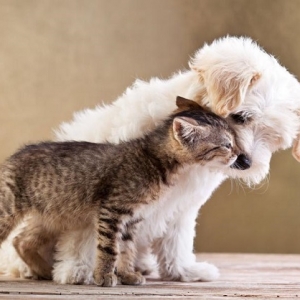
column 227, row 145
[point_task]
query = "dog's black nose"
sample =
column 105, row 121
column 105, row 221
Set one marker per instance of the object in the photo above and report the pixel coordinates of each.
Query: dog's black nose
column 243, row 162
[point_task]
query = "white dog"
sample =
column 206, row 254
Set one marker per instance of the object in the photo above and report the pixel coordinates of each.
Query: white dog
column 235, row 78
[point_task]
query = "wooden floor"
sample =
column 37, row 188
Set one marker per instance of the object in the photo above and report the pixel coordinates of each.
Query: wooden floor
column 249, row 276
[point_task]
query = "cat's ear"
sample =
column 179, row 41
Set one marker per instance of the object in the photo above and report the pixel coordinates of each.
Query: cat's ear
column 188, row 130
column 183, row 103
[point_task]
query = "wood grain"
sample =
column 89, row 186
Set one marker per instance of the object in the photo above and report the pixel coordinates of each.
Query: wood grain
column 250, row 276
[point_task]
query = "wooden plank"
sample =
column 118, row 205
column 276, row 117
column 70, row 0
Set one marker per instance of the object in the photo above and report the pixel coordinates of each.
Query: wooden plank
column 257, row 276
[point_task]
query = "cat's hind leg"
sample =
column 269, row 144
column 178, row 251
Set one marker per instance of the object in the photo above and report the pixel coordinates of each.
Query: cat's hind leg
column 33, row 241
column 8, row 215
column 7, row 224
column 11, row 264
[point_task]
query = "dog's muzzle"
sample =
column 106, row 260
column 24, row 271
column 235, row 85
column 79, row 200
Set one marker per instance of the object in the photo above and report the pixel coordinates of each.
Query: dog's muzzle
column 243, row 162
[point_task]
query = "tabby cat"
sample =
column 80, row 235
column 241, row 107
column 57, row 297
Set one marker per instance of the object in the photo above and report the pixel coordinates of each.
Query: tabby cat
column 72, row 184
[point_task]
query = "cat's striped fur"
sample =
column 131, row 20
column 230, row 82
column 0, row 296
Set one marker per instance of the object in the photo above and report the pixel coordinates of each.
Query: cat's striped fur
column 69, row 185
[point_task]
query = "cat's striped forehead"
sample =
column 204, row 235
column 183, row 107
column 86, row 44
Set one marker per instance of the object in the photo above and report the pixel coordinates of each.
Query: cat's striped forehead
column 204, row 117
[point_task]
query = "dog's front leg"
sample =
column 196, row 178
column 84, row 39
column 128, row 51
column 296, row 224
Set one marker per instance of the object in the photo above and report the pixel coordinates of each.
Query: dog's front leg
column 175, row 252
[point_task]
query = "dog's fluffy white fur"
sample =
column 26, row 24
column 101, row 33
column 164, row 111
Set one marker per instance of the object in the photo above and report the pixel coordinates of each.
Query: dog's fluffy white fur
column 231, row 76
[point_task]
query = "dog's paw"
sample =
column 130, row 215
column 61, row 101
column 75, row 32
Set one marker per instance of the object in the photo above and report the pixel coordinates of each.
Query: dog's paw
column 73, row 274
column 107, row 280
column 200, row 271
column 131, row 278
column 146, row 265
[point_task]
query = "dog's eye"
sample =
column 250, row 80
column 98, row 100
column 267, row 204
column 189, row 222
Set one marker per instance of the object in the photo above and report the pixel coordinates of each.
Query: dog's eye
column 240, row 118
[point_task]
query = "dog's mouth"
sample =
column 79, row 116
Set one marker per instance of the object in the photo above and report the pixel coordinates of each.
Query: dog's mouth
column 243, row 162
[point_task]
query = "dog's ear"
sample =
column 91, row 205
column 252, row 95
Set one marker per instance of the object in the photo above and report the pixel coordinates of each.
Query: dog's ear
column 188, row 130
column 296, row 148
column 226, row 89
column 183, row 103
column 226, row 76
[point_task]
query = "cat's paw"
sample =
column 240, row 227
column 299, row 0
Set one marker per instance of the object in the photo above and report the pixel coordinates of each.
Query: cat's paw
column 107, row 280
column 131, row 278
column 73, row 274
column 26, row 272
column 200, row 271
column 31, row 275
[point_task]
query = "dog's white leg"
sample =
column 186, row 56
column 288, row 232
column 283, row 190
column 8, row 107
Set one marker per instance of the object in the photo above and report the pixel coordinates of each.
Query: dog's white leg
column 174, row 248
column 175, row 252
column 75, row 257
column 146, row 262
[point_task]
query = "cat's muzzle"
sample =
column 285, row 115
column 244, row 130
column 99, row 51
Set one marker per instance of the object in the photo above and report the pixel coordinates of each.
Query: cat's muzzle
column 243, row 162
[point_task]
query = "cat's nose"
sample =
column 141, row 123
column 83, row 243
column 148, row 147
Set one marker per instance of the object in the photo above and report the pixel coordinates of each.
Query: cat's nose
column 243, row 162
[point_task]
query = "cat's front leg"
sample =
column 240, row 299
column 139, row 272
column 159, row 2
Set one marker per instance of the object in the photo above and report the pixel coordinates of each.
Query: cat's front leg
column 104, row 273
column 175, row 252
column 107, row 248
column 125, row 266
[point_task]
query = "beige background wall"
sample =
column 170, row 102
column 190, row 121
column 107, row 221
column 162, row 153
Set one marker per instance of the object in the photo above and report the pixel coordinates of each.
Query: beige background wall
column 59, row 56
